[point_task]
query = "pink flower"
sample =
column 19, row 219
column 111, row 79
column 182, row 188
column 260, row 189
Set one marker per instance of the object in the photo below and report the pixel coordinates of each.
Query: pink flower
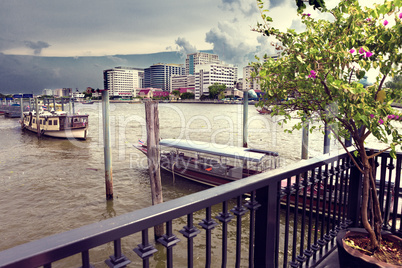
column 368, row 19
column 381, row 121
column 372, row 115
column 385, row 23
column 352, row 51
column 361, row 50
column 400, row 15
column 390, row 116
column 397, row 117
column 368, row 54
column 312, row 74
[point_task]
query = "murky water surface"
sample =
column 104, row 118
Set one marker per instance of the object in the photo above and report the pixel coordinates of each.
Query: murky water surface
column 52, row 185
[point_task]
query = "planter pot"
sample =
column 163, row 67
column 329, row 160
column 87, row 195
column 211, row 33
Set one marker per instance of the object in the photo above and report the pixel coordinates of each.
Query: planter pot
column 353, row 258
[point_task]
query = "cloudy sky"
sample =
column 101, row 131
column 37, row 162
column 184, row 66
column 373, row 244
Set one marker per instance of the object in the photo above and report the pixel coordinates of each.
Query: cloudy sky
column 100, row 27
column 78, row 28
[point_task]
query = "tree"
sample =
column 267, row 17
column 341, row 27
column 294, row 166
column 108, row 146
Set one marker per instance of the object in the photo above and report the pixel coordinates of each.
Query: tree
column 187, row 96
column 176, row 93
column 215, row 90
column 317, row 66
column 395, row 83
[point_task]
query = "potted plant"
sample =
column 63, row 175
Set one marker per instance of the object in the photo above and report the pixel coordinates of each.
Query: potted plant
column 318, row 74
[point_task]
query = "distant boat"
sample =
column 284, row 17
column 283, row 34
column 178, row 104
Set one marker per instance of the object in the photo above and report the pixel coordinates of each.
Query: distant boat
column 13, row 111
column 264, row 110
column 57, row 124
column 87, row 102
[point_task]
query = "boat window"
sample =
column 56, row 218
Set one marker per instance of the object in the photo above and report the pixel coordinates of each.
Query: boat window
column 50, row 122
column 55, row 122
column 40, row 122
column 34, row 121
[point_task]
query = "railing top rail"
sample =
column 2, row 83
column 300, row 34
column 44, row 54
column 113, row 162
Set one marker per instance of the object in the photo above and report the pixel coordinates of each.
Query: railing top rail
column 59, row 246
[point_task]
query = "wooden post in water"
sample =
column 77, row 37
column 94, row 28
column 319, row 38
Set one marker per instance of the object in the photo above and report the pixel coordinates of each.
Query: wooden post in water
column 304, row 154
column 37, row 117
column 327, row 143
column 245, row 119
column 22, row 108
column 106, row 145
column 152, row 121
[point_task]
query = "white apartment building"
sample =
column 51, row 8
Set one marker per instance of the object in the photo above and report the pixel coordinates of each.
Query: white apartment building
column 123, row 81
column 182, row 81
column 253, row 83
column 199, row 58
column 48, row 92
column 211, row 73
column 248, row 82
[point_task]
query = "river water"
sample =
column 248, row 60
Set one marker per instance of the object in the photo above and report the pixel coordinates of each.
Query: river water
column 53, row 185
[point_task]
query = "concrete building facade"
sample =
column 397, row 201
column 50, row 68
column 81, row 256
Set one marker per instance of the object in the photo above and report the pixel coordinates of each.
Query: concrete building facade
column 211, row 73
column 182, row 81
column 123, row 81
column 199, row 58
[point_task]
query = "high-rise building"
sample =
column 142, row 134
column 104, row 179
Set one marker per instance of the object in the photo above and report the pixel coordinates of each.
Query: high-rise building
column 211, row 73
column 123, row 81
column 159, row 75
column 199, row 58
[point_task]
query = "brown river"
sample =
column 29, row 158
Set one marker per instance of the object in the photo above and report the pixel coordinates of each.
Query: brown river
column 53, row 185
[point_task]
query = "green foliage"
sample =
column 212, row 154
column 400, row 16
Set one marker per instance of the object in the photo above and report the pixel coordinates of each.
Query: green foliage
column 176, row 93
column 317, row 66
column 215, row 90
column 187, row 96
column 395, row 83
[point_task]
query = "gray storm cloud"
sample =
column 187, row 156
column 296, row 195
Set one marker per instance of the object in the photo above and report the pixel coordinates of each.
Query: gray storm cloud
column 247, row 7
column 36, row 46
column 185, row 47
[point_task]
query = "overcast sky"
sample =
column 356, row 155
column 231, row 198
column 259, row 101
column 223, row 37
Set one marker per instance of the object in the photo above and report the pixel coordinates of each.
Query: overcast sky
column 78, row 28
column 105, row 27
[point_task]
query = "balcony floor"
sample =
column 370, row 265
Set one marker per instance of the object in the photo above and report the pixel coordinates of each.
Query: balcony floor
column 331, row 260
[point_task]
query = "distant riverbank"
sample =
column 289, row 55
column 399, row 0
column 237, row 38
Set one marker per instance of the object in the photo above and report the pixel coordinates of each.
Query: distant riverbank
column 182, row 101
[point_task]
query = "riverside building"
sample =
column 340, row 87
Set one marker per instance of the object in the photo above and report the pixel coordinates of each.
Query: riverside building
column 159, row 75
column 208, row 74
column 123, row 81
column 199, row 58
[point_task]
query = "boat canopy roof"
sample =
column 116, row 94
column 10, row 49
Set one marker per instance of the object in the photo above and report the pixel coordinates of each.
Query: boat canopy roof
column 214, row 149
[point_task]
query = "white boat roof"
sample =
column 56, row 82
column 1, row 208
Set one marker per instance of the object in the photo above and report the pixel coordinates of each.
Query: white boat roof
column 214, row 149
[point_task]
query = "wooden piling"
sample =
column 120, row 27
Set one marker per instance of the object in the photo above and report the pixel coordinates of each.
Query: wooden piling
column 106, row 145
column 37, row 117
column 304, row 154
column 327, row 142
column 152, row 123
column 245, row 119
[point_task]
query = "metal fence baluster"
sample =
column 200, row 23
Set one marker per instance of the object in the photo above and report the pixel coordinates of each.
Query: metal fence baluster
column 252, row 205
column 239, row 211
column 225, row 217
column 145, row 250
column 118, row 260
column 169, row 240
column 190, row 231
column 208, row 224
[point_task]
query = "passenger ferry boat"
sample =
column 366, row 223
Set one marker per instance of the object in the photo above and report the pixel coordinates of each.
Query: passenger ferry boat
column 212, row 164
column 57, row 124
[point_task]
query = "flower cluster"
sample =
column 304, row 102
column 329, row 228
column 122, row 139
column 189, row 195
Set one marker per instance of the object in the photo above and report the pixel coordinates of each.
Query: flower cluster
column 312, row 74
column 390, row 117
column 367, row 54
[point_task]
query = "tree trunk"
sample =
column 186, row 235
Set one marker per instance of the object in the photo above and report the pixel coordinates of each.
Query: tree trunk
column 369, row 182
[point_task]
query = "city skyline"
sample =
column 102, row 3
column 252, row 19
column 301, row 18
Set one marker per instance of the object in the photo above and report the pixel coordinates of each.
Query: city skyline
column 80, row 29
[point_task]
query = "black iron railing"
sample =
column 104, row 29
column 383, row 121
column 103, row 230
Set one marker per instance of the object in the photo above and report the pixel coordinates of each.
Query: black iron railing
column 283, row 218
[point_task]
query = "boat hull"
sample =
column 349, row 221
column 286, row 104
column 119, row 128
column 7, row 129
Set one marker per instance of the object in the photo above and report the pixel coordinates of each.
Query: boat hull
column 80, row 133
